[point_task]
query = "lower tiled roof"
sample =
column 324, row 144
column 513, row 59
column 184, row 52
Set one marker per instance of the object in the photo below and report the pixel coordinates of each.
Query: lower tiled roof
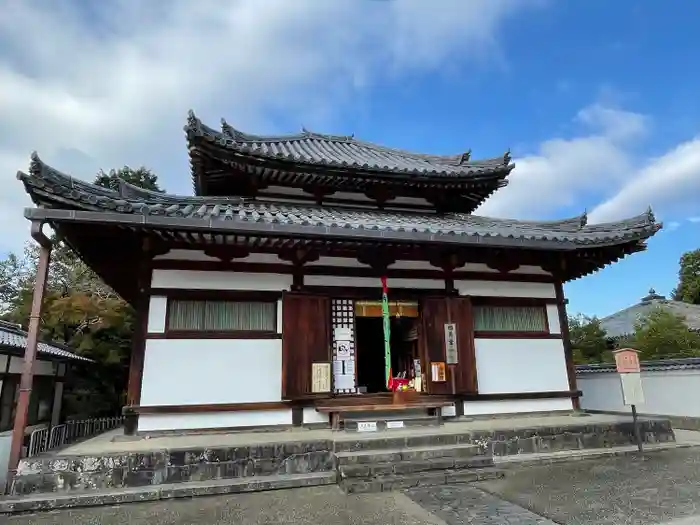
column 52, row 189
column 14, row 337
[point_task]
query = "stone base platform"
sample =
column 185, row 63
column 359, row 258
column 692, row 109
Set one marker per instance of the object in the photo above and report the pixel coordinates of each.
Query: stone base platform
column 394, row 459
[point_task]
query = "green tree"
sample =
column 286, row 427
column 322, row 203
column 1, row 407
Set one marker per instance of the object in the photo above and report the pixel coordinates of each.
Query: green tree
column 80, row 311
column 663, row 335
column 141, row 177
column 688, row 289
column 588, row 340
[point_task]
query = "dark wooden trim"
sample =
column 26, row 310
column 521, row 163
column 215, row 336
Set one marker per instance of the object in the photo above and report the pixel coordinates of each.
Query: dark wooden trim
column 138, row 348
column 297, row 416
column 195, row 334
column 566, row 338
column 573, row 394
column 263, row 296
column 371, row 204
column 481, row 300
column 206, row 408
column 297, row 405
column 356, row 292
column 515, row 335
column 395, row 273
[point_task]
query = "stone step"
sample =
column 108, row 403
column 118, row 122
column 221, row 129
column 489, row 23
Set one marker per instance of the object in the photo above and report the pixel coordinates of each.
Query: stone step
column 370, row 471
column 418, row 479
column 407, row 454
column 92, row 498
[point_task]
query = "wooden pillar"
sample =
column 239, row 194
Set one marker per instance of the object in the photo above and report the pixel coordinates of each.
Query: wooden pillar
column 298, row 258
column 566, row 339
column 138, row 343
column 27, row 379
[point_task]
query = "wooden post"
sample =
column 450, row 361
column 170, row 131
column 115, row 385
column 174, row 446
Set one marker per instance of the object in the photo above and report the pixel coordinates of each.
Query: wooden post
column 27, row 379
column 566, row 339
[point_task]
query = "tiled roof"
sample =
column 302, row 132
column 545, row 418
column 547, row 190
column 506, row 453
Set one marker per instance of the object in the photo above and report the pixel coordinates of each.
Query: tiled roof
column 52, row 189
column 622, row 323
column 690, row 363
column 13, row 336
column 344, row 152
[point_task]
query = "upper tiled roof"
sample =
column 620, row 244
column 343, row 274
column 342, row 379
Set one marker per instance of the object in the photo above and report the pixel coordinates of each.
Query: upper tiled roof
column 13, row 336
column 52, row 189
column 345, row 152
column 622, row 322
column 688, row 363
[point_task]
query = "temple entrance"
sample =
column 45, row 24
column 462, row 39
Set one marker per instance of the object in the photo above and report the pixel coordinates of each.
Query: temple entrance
column 370, row 344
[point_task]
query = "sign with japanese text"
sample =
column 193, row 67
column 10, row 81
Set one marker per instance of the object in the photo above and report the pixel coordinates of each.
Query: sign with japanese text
column 626, row 361
column 451, row 355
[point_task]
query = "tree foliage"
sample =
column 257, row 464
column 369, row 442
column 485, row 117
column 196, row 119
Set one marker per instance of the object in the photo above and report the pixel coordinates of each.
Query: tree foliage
column 588, row 340
column 663, row 335
column 141, row 177
column 688, row 289
column 80, row 311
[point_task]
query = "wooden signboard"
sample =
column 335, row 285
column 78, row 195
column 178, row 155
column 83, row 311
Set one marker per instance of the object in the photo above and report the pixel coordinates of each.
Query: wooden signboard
column 626, row 361
column 438, row 371
column 451, row 354
column 320, row 378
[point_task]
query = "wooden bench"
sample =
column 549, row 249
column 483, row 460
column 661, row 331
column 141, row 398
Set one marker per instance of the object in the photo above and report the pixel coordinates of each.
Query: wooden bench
column 334, row 409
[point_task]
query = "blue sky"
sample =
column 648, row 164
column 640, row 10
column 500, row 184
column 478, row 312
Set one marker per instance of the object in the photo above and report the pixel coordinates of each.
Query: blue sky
column 597, row 100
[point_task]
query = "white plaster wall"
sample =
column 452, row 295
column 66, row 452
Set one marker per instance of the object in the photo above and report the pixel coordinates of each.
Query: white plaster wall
column 156, row 422
column 516, row 406
column 666, row 393
column 312, row 416
column 41, row 368
column 520, row 365
column 156, row 314
column 210, row 371
column 202, row 280
column 506, row 289
column 553, row 319
column 5, row 443
column 3, row 362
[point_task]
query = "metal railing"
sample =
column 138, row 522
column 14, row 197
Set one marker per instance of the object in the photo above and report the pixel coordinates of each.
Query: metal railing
column 44, row 439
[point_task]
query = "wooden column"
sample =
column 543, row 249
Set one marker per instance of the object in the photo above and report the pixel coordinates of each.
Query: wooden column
column 448, row 263
column 27, row 379
column 566, row 339
column 138, row 342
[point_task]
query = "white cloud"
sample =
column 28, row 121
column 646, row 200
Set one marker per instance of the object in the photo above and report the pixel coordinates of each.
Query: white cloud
column 602, row 165
column 563, row 171
column 103, row 84
column 694, row 219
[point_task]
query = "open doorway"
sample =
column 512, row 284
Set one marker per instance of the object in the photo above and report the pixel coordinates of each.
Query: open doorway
column 370, row 351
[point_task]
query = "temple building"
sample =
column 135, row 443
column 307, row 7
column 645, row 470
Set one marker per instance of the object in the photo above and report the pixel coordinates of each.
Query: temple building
column 260, row 299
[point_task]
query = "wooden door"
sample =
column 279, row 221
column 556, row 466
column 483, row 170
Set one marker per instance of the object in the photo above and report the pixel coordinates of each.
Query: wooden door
column 305, row 340
column 435, row 312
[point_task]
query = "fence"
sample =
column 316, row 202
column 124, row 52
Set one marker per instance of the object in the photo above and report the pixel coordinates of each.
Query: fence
column 44, row 439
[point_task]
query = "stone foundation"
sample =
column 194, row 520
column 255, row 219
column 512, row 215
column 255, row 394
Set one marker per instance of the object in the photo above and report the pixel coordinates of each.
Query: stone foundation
column 89, row 474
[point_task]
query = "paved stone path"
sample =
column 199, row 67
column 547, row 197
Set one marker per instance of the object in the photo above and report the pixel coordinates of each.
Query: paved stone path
column 659, row 488
column 465, row 504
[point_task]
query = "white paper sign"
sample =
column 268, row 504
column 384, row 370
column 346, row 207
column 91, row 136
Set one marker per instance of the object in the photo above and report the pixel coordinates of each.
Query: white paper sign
column 394, row 424
column 366, row 426
column 632, row 392
column 342, row 348
column 344, row 382
column 342, row 333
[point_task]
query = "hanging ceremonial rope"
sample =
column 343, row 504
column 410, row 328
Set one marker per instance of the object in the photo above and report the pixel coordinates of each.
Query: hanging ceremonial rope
column 387, row 334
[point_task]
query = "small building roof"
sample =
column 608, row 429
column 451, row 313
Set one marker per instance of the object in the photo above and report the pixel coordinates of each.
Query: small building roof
column 622, row 323
column 12, row 337
column 49, row 188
